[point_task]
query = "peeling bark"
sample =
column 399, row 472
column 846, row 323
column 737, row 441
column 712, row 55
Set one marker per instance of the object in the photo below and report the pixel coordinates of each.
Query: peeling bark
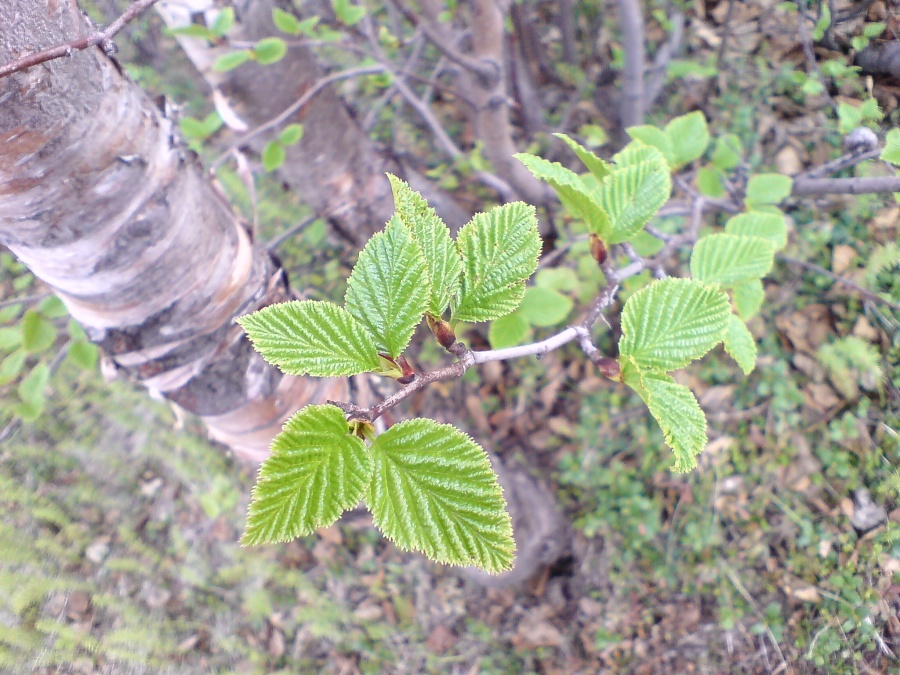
column 101, row 201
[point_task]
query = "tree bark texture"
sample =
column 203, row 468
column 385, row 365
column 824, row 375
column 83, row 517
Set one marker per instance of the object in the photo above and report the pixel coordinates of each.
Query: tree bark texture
column 102, row 202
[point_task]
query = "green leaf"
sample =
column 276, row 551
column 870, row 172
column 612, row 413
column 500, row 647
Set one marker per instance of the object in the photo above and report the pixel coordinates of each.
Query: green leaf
column 192, row 30
column 346, row 13
column 273, row 155
column 388, row 288
column 727, row 153
column 544, row 307
column 740, row 345
column 709, row 182
column 270, row 50
column 11, row 366
column 768, row 188
column 286, row 22
column 433, row 491
column 676, row 411
column 671, row 322
column 728, row 259
column 291, row 134
column 637, row 152
column 38, row 333
column 578, row 198
column 231, row 60
column 52, row 307
column 891, row 152
column 317, row 470
column 309, row 337
column 654, row 138
column 689, row 135
column 31, row 388
column 10, row 337
column 441, row 257
column 29, row 411
column 223, row 22
column 594, row 164
column 508, row 331
column 632, row 195
column 83, row 354
column 764, row 224
column 557, row 278
column 748, row 297
column 500, row 251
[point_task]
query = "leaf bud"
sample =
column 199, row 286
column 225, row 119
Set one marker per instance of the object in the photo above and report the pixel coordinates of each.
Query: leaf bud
column 608, row 367
column 598, row 249
column 442, row 331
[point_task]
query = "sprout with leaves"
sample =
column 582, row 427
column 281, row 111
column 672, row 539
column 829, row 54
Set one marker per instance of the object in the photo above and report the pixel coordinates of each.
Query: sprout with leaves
column 430, row 487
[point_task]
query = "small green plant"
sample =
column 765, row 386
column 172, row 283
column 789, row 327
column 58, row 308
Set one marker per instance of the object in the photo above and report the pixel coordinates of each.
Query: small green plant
column 429, row 486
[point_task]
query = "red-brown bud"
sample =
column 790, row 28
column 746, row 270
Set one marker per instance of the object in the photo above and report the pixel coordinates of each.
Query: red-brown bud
column 408, row 373
column 608, row 367
column 598, row 249
column 442, row 332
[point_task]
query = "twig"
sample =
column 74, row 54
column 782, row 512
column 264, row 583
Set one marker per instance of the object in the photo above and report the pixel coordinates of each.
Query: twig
column 631, row 22
column 487, row 71
column 656, row 75
column 839, row 164
column 846, row 186
column 810, row 53
column 302, row 101
column 841, row 280
column 104, row 38
column 424, row 110
column 25, row 299
column 278, row 240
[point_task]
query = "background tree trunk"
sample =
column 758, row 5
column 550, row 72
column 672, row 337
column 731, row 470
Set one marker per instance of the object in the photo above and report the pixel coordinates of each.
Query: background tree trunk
column 101, row 202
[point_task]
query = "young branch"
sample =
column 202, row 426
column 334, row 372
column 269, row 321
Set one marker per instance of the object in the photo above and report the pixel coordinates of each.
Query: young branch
column 103, row 38
column 818, row 269
column 286, row 114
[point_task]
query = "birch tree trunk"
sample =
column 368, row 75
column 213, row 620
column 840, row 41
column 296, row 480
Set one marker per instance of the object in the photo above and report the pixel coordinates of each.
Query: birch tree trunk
column 101, row 201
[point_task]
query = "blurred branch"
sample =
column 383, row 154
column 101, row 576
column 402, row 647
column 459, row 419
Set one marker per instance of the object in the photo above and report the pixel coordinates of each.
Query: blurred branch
column 656, row 76
column 818, row 269
column 104, row 39
column 846, row 186
column 631, row 23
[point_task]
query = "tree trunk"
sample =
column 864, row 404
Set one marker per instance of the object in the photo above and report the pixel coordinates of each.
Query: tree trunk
column 101, row 201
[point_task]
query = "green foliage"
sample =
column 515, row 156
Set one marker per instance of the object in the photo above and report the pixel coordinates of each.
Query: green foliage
column 269, row 50
column 729, row 259
column 444, row 266
column 891, row 152
column 740, row 345
column 433, row 490
column 232, row 60
column 748, row 297
column 38, row 333
column 632, row 195
column 311, row 337
column 389, row 287
column 683, row 139
column 852, row 363
column 348, row 13
column 768, row 225
column 672, row 322
column 317, row 470
column 851, row 116
column 499, row 251
column 767, row 188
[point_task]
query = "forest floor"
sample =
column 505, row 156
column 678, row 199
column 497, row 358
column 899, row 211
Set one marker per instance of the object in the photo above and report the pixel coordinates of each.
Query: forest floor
column 119, row 521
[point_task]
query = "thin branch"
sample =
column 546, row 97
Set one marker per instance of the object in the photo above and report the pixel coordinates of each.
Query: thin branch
column 485, row 70
column 278, row 240
column 25, row 299
column 656, row 75
column 818, row 269
column 103, row 38
column 839, row 164
column 290, row 110
column 846, row 186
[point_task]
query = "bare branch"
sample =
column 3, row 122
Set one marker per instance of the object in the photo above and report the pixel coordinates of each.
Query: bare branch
column 285, row 115
column 846, row 186
column 839, row 164
column 818, row 269
column 104, row 39
column 631, row 22
column 656, row 76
